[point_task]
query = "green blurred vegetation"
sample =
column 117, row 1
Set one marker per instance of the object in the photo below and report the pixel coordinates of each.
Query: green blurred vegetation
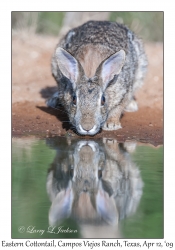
column 50, row 22
column 47, row 23
column 148, row 25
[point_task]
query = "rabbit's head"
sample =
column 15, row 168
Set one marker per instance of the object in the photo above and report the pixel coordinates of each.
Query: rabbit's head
column 87, row 102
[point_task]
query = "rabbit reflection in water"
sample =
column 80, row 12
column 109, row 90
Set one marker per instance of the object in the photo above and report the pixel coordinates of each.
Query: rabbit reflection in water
column 96, row 184
column 98, row 67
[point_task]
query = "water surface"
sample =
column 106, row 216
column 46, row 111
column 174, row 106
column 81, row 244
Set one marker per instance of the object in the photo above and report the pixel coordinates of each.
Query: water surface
column 64, row 188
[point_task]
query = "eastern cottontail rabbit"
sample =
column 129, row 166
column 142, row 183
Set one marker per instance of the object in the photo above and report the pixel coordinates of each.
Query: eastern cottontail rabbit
column 98, row 66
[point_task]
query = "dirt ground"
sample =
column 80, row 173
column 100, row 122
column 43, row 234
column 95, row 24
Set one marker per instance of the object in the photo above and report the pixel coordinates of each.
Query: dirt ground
column 32, row 84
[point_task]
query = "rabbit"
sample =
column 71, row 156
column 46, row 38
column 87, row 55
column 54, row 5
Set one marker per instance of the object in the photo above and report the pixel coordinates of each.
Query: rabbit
column 98, row 66
column 95, row 183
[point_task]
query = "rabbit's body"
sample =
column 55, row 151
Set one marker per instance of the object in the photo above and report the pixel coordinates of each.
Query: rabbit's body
column 97, row 80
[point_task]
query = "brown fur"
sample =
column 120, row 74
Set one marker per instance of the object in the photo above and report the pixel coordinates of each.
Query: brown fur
column 90, row 56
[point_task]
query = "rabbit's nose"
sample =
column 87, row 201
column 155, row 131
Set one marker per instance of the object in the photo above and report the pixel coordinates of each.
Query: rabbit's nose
column 86, row 186
column 87, row 126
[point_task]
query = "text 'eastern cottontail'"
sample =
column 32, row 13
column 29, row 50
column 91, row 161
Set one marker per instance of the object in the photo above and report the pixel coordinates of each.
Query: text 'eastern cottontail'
column 98, row 66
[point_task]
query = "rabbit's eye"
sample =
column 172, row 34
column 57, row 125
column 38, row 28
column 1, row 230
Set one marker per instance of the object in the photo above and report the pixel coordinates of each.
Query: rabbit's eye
column 102, row 100
column 74, row 100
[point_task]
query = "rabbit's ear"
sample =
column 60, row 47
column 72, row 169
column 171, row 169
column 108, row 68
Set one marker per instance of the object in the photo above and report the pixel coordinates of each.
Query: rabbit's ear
column 61, row 206
column 68, row 65
column 111, row 67
column 106, row 206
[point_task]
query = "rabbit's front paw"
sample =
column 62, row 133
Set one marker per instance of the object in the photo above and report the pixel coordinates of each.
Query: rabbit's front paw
column 111, row 125
column 109, row 141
